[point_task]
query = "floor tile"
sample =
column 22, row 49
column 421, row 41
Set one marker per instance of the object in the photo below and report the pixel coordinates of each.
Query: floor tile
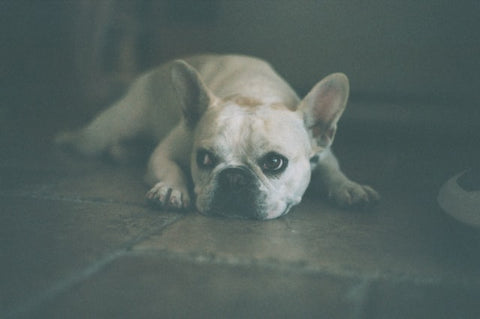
column 157, row 287
column 95, row 182
column 394, row 300
column 45, row 242
column 400, row 240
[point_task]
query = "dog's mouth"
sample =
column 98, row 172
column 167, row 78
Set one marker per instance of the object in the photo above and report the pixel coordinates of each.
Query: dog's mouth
column 237, row 205
column 236, row 194
column 246, row 208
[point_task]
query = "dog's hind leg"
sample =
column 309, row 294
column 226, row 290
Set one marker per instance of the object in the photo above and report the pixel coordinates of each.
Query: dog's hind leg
column 138, row 114
column 103, row 134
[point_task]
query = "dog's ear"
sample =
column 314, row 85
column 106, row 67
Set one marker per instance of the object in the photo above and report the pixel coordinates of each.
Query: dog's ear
column 192, row 94
column 323, row 106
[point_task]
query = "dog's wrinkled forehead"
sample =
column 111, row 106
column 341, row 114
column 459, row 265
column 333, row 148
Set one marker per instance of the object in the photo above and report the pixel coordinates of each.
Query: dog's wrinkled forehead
column 245, row 126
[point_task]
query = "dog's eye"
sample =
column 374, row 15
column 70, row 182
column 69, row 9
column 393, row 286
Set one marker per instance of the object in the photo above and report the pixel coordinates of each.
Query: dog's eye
column 273, row 163
column 205, row 159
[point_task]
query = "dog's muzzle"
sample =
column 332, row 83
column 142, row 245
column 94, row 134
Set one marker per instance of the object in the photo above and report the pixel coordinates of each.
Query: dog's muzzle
column 237, row 194
column 235, row 179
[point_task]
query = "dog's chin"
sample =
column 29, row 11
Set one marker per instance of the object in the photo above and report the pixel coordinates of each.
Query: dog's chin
column 279, row 210
column 236, row 212
column 242, row 215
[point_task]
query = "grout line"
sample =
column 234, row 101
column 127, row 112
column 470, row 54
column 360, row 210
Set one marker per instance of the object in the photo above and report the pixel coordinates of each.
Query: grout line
column 298, row 267
column 62, row 286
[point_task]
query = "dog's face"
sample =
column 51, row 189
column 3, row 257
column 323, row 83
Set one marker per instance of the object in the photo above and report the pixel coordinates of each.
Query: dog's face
column 250, row 159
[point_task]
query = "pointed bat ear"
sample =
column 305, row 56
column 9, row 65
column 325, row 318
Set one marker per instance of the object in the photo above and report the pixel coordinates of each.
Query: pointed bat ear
column 323, row 106
column 192, row 94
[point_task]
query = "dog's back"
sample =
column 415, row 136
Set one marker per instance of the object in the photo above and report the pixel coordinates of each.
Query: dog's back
column 229, row 75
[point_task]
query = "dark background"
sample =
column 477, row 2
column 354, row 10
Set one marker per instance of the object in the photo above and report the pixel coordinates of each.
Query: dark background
column 424, row 54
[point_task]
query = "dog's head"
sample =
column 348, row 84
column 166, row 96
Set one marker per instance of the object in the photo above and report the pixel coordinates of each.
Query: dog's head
column 251, row 159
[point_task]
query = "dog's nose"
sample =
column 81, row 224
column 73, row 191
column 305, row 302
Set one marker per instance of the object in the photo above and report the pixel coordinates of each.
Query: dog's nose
column 236, row 194
column 235, row 178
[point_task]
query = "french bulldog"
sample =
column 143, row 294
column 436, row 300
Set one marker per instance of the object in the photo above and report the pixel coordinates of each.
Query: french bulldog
column 234, row 139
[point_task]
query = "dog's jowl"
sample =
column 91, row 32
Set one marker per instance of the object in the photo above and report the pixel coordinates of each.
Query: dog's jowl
column 233, row 138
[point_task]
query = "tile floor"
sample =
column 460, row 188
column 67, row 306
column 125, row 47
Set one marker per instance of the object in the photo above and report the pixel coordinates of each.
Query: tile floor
column 78, row 241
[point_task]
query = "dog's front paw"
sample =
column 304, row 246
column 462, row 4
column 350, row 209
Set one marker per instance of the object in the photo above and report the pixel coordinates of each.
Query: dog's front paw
column 168, row 197
column 351, row 194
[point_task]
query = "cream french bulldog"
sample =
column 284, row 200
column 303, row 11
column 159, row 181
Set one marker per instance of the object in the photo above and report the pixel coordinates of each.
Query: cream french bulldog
column 233, row 137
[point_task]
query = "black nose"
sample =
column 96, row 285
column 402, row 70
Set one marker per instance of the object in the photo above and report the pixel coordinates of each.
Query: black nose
column 236, row 194
column 235, row 178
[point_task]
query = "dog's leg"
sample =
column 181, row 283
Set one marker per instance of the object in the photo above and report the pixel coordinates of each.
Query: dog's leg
column 105, row 133
column 328, row 177
column 143, row 112
column 165, row 174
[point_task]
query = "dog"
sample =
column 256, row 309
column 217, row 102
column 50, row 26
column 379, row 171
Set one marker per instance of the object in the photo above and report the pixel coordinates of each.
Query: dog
column 234, row 139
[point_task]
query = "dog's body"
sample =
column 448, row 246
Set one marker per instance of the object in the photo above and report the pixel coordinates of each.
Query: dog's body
column 245, row 140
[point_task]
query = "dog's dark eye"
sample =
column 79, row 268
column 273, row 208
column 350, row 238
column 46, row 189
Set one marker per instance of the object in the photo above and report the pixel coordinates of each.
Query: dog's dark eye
column 205, row 159
column 273, row 163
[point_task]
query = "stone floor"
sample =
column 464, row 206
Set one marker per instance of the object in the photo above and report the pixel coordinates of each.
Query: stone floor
column 78, row 241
